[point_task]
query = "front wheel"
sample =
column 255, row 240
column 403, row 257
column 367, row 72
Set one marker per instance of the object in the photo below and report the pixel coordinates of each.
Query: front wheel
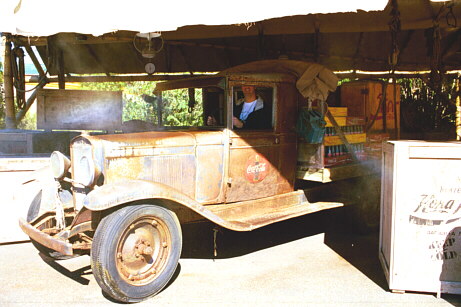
column 135, row 251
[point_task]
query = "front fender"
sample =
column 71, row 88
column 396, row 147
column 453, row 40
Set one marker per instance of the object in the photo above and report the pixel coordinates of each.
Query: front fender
column 111, row 195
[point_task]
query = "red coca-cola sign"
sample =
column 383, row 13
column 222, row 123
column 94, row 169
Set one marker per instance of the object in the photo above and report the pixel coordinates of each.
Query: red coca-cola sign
column 256, row 169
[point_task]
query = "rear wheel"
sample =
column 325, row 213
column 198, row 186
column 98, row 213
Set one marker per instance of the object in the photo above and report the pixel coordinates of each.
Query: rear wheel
column 135, row 251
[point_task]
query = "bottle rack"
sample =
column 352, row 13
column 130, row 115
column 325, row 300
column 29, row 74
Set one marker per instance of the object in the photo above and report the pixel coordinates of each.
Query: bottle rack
column 331, row 160
column 334, row 152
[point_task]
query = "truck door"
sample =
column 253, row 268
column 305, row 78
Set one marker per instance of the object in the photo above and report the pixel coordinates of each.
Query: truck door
column 256, row 157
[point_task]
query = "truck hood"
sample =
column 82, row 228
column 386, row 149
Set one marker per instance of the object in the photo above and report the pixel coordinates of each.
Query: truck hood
column 114, row 144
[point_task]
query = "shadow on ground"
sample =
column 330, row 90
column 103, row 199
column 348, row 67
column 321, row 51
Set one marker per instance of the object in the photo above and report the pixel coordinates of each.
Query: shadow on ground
column 341, row 235
column 200, row 239
column 360, row 250
column 76, row 275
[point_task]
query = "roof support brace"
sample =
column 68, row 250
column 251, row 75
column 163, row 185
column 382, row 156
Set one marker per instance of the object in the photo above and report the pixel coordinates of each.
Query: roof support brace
column 34, row 59
column 29, row 102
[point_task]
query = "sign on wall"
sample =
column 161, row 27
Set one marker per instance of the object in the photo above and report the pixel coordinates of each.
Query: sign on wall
column 79, row 110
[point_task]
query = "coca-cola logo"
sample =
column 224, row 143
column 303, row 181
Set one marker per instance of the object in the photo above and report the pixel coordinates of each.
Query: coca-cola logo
column 256, row 169
column 436, row 210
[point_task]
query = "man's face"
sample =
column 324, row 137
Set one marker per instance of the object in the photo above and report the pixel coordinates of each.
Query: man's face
column 248, row 89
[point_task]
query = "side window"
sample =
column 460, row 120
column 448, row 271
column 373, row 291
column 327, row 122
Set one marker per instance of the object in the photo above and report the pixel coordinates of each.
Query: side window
column 191, row 107
column 253, row 107
column 182, row 108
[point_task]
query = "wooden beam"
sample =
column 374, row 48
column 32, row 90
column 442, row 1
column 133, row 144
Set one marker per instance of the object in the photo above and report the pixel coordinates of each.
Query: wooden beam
column 360, row 75
column 10, row 118
column 167, row 58
column 228, row 55
column 249, row 49
column 186, row 60
column 118, row 78
column 451, row 40
column 97, row 59
column 61, row 72
column 316, row 41
column 357, row 50
column 261, row 43
column 29, row 102
column 138, row 56
column 34, row 59
column 405, row 43
column 458, row 111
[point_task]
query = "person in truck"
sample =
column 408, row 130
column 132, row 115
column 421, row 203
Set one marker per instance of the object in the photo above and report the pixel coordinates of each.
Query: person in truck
column 248, row 112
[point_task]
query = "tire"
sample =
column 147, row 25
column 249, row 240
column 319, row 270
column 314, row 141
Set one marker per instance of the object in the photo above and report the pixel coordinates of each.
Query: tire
column 33, row 213
column 135, row 251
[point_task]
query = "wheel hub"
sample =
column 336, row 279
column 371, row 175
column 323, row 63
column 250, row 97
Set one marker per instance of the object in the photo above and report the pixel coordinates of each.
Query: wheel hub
column 143, row 250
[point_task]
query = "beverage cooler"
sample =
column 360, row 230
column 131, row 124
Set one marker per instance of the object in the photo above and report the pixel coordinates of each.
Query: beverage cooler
column 420, row 232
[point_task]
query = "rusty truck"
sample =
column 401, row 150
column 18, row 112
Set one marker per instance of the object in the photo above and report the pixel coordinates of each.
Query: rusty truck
column 122, row 197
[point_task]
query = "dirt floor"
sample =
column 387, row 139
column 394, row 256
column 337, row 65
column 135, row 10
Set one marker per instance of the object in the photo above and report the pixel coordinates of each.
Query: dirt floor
column 316, row 260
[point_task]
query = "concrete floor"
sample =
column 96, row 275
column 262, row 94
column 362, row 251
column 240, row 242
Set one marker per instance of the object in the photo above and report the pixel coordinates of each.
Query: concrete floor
column 309, row 261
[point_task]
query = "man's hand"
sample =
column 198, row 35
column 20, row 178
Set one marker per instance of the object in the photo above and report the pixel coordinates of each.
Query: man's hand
column 237, row 122
column 211, row 121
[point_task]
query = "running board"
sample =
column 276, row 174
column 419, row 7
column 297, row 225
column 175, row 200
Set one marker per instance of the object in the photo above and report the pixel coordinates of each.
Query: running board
column 249, row 215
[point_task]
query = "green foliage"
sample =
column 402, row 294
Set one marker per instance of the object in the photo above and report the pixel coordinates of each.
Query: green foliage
column 176, row 108
column 423, row 109
column 29, row 122
column 345, row 80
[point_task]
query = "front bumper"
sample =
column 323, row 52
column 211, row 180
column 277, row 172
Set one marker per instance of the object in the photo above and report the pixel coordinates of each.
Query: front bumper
column 58, row 245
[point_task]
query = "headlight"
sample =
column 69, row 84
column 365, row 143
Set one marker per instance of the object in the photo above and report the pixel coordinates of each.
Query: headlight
column 84, row 168
column 86, row 171
column 60, row 164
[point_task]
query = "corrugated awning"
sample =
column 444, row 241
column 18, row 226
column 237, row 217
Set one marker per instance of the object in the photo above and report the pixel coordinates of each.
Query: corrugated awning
column 48, row 17
column 207, row 36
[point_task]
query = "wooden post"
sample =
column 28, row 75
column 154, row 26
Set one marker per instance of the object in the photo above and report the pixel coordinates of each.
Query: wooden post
column 396, row 116
column 61, row 74
column 159, row 109
column 458, row 112
column 10, row 117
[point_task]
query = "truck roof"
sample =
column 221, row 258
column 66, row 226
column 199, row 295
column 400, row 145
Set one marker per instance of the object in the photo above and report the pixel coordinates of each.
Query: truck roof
column 219, row 80
column 313, row 80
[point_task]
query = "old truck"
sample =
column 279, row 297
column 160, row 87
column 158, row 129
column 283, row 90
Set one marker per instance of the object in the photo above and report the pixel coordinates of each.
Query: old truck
column 123, row 197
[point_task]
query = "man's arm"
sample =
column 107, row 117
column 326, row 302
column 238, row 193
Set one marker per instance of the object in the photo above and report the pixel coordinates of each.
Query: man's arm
column 257, row 120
